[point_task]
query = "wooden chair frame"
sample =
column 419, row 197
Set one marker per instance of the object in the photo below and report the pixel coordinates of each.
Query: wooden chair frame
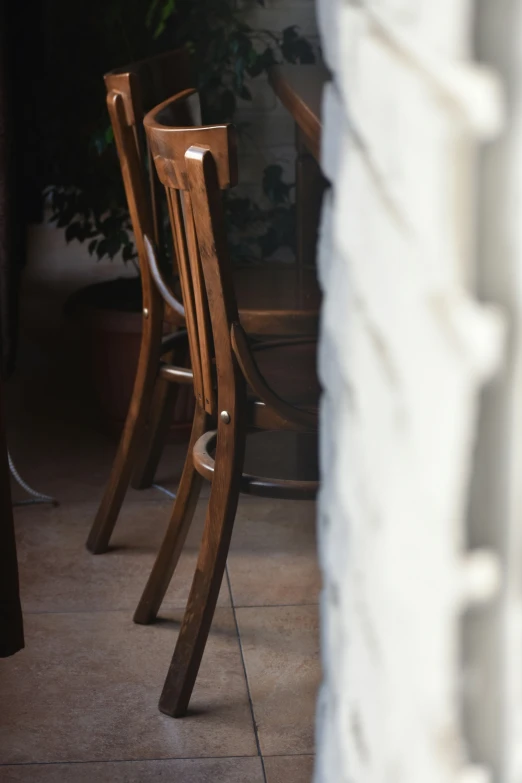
column 131, row 92
column 195, row 165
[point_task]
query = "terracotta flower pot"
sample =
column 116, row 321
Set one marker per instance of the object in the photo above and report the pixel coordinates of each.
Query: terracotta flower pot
column 108, row 320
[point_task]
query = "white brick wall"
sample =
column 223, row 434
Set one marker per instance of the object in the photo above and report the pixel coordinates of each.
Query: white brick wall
column 405, row 348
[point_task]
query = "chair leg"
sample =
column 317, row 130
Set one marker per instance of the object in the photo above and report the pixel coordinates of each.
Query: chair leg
column 148, row 459
column 105, row 520
column 172, row 545
column 164, row 402
column 204, row 593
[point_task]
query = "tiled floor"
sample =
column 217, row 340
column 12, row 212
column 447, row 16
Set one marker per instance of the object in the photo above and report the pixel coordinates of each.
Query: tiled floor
column 79, row 704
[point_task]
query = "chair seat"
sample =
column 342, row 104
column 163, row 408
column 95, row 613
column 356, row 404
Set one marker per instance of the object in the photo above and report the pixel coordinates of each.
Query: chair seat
column 276, row 299
column 291, row 372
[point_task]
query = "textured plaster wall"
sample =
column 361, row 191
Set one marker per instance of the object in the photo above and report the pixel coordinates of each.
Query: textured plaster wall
column 405, row 349
column 493, row 637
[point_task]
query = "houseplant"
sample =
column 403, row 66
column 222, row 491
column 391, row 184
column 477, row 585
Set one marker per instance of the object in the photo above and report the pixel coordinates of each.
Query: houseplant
column 86, row 194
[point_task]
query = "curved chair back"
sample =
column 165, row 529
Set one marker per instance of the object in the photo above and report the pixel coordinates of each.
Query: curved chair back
column 131, row 92
column 195, row 163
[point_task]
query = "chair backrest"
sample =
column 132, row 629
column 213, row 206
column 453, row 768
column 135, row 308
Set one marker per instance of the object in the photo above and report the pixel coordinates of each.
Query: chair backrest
column 131, row 92
column 195, row 163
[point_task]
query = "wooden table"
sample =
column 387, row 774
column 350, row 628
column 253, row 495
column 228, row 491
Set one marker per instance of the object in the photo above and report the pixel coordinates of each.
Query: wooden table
column 300, row 89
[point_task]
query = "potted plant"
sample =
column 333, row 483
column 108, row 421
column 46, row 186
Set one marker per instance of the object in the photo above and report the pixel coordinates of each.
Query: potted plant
column 86, row 192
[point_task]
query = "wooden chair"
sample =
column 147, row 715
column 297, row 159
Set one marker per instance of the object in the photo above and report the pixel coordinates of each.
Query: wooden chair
column 273, row 298
column 233, row 396
column 131, row 92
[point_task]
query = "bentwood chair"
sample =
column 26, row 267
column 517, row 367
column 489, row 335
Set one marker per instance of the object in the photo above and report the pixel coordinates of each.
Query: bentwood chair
column 131, row 92
column 273, row 298
column 234, row 391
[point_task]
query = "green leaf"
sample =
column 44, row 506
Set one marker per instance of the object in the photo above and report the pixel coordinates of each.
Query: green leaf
column 166, row 12
column 109, row 135
column 128, row 252
column 73, row 231
column 273, row 186
column 64, row 219
column 113, row 245
column 101, row 249
column 150, row 13
column 264, row 61
column 239, row 72
column 295, row 48
column 159, row 29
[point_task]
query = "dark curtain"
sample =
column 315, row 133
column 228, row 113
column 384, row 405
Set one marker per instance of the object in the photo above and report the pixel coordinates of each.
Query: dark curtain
column 20, row 201
column 11, row 625
column 9, row 224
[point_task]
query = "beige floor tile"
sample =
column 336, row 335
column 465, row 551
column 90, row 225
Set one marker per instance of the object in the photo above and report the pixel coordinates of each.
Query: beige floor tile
column 273, row 555
column 281, row 651
column 86, row 688
column 246, row 770
column 57, row 573
column 289, row 769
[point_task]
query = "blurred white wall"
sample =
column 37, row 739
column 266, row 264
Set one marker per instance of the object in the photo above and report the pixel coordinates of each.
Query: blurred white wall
column 493, row 639
column 406, row 348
